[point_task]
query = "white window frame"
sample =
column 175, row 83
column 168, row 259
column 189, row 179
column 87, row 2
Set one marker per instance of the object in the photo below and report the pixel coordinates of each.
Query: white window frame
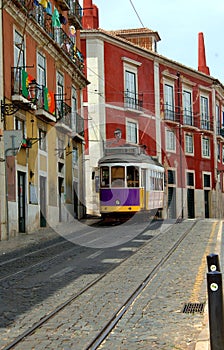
column 205, row 151
column 204, row 112
column 191, row 172
column 203, row 174
column 187, row 144
column 187, row 107
column 41, row 70
column 129, row 131
column 169, row 100
column 170, row 141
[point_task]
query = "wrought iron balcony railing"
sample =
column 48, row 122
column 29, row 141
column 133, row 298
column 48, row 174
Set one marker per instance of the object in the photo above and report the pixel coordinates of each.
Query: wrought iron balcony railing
column 205, row 123
column 188, row 118
column 79, row 124
column 133, row 100
column 75, row 14
column 44, row 19
column 220, row 131
column 23, row 88
column 63, row 113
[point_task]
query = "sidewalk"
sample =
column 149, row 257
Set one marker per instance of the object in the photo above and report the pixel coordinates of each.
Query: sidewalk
column 203, row 342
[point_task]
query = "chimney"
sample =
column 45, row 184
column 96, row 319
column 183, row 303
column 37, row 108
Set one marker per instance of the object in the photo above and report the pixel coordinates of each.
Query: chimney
column 202, row 67
column 90, row 19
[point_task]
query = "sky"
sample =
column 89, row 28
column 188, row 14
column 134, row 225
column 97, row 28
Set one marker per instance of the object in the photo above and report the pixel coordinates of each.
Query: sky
column 178, row 23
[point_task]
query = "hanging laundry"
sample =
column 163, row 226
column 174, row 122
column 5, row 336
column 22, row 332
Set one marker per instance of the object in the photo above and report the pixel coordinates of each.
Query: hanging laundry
column 72, row 31
column 63, row 20
column 36, row 2
column 43, row 3
column 55, row 19
column 49, row 8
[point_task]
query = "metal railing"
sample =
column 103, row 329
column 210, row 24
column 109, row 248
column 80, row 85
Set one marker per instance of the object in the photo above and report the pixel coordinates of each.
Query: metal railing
column 44, row 19
column 63, row 113
column 133, row 100
column 75, row 12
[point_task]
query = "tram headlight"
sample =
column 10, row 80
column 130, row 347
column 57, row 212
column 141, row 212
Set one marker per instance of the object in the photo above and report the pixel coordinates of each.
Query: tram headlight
column 117, row 202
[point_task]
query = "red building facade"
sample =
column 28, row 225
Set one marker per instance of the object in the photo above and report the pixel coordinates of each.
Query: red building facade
column 175, row 112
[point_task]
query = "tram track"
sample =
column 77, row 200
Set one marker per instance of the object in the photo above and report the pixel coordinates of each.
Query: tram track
column 106, row 330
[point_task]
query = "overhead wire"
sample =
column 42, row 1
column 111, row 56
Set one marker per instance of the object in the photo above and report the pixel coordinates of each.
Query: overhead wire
column 136, row 13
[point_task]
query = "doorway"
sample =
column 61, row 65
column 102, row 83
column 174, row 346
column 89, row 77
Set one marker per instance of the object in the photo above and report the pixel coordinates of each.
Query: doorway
column 172, row 203
column 206, row 200
column 43, row 207
column 190, row 203
column 22, row 201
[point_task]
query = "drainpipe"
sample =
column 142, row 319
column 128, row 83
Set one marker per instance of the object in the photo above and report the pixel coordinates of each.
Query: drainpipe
column 180, row 145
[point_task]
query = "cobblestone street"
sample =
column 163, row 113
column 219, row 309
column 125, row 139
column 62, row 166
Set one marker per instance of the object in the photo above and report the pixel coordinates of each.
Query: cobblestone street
column 154, row 321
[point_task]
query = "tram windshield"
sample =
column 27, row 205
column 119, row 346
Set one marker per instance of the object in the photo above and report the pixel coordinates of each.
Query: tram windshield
column 132, row 176
column 104, row 176
column 117, row 176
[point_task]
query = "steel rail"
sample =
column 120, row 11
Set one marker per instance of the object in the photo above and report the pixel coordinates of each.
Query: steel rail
column 103, row 334
column 119, row 314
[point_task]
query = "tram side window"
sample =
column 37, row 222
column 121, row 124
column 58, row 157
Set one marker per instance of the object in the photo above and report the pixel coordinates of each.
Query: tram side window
column 156, row 181
column 104, row 176
column 132, row 176
column 117, row 176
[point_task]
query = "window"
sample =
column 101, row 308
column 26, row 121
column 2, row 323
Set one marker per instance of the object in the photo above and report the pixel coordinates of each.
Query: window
column 205, row 147
column 223, row 154
column 218, row 151
column 170, row 140
column 207, row 180
column 41, row 70
column 187, row 105
column 74, row 109
column 190, row 179
column 132, row 132
column 171, row 177
column 19, row 50
column 42, row 140
column 156, row 180
column 204, row 113
column 217, row 117
column 130, row 90
column 20, row 125
column 132, row 176
column 117, row 176
column 60, row 95
column 189, row 148
column 168, row 102
column 61, row 148
column 104, row 176
column 74, row 156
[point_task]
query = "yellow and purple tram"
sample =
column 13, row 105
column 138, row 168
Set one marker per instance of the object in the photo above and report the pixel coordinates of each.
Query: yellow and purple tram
column 130, row 182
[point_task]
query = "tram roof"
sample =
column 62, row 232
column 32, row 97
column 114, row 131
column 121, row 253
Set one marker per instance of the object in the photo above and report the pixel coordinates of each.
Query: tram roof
column 129, row 158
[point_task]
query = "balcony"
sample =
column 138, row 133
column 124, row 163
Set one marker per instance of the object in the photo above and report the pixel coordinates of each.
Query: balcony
column 63, row 115
column 75, row 14
column 133, row 101
column 170, row 114
column 23, row 89
column 64, row 4
column 220, row 131
column 43, row 18
column 206, row 124
column 45, row 104
column 68, row 47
